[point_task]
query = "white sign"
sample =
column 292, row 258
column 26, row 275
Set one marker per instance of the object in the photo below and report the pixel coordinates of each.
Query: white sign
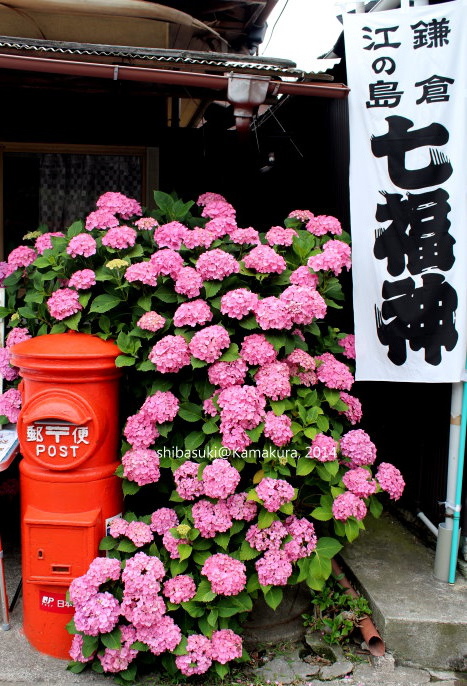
column 407, row 74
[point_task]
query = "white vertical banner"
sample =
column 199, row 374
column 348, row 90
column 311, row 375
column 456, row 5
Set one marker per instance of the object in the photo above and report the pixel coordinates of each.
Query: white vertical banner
column 408, row 162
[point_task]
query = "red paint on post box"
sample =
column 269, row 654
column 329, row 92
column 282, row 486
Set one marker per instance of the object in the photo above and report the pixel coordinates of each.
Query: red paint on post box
column 69, row 433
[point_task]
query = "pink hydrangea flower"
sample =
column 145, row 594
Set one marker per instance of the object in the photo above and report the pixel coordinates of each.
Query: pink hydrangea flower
column 188, row 282
column 225, row 374
column 141, row 465
column 208, row 344
column 139, row 533
column 166, row 261
column 64, row 303
column 274, row 493
column 226, row 646
column 334, row 257
column 98, row 615
column 240, row 508
column 151, row 321
column 187, row 483
column 301, row 215
column 209, row 197
column 199, row 238
column 146, row 223
column 273, row 380
column 209, row 407
column 8, row 372
column 273, row 313
column 359, row 482
column 119, row 204
column 180, row 589
column 17, row 335
column 273, row 568
column 348, row 343
column 216, row 265
column 211, row 518
column 161, row 407
column 323, row 224
column 120, row 237
column 198, row 658
column 304, row 538
column 257, row 350
column 305, row 304
column 303, row 277
column 118, row 527
column 269, row 538
column 163, row 519
column 101, row 219
column 142, row 573
column 142, row 609
column 83, row 244
column 332, row 373
column 82, row 280
column 278, row 429
column 194, row 313
column 76, row 650
column 140, row 431
column 10, row 404
column 238, row 303
column 170, row 354
column 44, row 242
column 348, row 505
column 354, row 413
column 265, row 260
column 227, row 575
column 21, row 257
column 220, row 479
column 248, row 236
column 218, row 208
column 358, row 447
column 277, row 235
column 5, row 271
column 219, row 226
column 390, row 479
column 170, row 235
column 161, row 636
column 171, row 544
column 115, row 660
column 323, row 448
column 300, row 361
column 142, row 271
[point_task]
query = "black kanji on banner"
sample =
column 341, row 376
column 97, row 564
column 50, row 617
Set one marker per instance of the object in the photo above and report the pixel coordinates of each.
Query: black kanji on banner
column 423, row 317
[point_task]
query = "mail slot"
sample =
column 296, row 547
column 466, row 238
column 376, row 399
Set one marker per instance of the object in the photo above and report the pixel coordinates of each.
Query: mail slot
column 68, row 431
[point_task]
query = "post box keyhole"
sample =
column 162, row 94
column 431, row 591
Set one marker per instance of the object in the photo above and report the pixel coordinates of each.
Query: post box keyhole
column 40, row 554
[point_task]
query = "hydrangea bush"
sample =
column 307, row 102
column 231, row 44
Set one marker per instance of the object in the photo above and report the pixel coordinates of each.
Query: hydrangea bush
column 238, row 439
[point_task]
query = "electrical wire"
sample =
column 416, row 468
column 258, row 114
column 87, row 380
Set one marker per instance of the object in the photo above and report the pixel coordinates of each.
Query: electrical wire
column 274, row 27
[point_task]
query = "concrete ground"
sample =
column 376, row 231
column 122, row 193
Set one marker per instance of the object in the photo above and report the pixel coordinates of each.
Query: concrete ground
column 402, row 605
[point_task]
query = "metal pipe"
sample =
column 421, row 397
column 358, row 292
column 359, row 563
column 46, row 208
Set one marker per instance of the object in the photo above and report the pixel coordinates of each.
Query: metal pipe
column 163, row 76
column 369, row 632
column 428, row 523
column 3, row 593
column 458, row 492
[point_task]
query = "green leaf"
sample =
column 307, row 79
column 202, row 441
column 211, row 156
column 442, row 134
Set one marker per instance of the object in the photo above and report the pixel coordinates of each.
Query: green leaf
column 204, row 593
column 278, row 407
column 376, row 508
column 74, row 229
column 84, row 298
column 71, row 626
column 124, row 361
column 139, row 645
column 221, row 670
column 194, row 440
column 184, row 550
column 178, row 567
column 277, row 340
column 231, row 354
column 126, row 546
column 129, row 487
column 212, row 289
column 129, row 674
column 247, row 552
column 113, row 639
column 249, row 323
column 165, row 294
column 351, row 529
column 212, row 618
column 76, row 667
column 210, row 427
column 265, row 519
column 193, row 609
column 144, row 302
column 321, row 514
column 5, row 312
column 274, row 597
column 73, row 321
column 328, row 547
column 108, row 543
column 104, row 303
column 222, row 540
column 146, row 366
column 255, row 433
column 320, row 568
column 197, row 364
column 190, row 412
column 243, row 601
column 332, row 396
column 305, row 466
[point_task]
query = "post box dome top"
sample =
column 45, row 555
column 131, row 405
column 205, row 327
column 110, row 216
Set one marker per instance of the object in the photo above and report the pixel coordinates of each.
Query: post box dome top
column 66, row 346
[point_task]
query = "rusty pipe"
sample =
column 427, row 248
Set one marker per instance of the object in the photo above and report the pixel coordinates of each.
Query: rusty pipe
column 163, row 76
column 369, row 632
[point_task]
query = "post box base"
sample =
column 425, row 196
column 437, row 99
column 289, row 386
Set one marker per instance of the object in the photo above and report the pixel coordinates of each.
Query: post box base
column 46, row 613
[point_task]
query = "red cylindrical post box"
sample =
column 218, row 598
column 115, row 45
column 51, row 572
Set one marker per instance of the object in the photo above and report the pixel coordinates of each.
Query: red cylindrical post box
column 68, row 432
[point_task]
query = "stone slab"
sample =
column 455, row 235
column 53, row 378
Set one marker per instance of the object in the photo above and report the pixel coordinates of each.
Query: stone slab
column 421, row 619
